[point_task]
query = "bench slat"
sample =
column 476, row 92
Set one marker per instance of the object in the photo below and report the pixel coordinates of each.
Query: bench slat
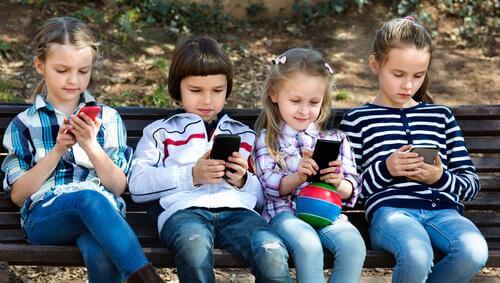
column 488, row 198
column 486, row 164
column 161, row 257
column 483, row 144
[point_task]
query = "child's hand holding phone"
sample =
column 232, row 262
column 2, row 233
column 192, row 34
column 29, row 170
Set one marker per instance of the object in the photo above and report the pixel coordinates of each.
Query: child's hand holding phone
column 307, row 166
column 403, row 163
column 432, row 169
column 237, row 172
column 85, row 126
column 208, row 171
column 332, row 175
column 64, row 138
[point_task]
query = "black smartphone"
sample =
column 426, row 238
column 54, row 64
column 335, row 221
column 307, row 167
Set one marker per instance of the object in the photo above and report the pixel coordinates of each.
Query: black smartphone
column 429, row 153
column 324, row 152
column 224, row 146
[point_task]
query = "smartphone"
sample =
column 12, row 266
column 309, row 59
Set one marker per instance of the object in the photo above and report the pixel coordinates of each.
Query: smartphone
column 324, row 152
column 224, row 146
column 429, row 153
column 91, row 111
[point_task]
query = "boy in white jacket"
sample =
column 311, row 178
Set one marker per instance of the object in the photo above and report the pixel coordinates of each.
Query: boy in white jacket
column 204, row 203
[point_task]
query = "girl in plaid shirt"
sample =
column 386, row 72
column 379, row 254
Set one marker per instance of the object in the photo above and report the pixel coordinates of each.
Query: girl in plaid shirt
column 65, row 170
column 296, row 105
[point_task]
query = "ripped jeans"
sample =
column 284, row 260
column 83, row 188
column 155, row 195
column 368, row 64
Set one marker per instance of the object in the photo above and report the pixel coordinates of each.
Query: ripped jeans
column 193, row 233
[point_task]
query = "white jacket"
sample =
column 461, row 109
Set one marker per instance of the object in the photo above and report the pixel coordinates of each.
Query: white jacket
column 163, row 160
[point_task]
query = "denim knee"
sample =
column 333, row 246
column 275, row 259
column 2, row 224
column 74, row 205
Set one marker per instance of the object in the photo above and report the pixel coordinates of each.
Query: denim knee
column 93, row 202
column 354, row 247
column 270, row 257
column 471, row 251
column 416, row 260
column 194, row 249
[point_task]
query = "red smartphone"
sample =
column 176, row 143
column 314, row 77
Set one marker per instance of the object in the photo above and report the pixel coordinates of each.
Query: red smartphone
column 91, row 111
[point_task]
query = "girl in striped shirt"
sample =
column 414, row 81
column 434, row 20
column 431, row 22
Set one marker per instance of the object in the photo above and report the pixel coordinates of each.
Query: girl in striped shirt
column 296, row 106
column 414, row 207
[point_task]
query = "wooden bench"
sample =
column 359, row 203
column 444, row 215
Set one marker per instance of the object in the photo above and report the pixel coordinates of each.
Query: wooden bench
column 480, row 125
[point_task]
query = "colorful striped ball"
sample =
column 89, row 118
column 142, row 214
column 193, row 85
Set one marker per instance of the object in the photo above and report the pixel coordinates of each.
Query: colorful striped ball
column 318, row 204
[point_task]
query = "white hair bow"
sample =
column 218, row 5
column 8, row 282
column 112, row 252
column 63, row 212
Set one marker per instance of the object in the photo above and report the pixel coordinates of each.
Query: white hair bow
column 279, row 59
column 327, row 66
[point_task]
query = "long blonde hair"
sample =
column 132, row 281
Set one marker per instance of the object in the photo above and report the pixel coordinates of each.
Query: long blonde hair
column 402, row 32
column 62, row 30
column 297, row 60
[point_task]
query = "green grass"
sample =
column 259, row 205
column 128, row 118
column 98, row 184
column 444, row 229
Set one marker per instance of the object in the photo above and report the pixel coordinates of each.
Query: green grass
column 158, row 98
column 342, row 95
column 160, row 64
column 7, row 92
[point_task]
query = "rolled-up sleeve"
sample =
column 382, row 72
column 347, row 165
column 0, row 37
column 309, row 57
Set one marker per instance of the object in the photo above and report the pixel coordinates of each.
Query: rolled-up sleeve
column 115, row 144
column 20, row 156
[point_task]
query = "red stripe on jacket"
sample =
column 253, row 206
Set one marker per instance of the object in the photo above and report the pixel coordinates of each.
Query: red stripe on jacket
column 168, row 142
column 246, row 146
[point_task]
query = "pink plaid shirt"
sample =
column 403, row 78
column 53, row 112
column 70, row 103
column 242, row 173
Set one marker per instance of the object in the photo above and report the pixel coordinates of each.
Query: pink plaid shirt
column 291, row 143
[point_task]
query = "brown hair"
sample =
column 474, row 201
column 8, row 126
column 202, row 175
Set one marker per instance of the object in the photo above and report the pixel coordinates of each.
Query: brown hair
column 303, row 60
column 198, row 56
column 399, row 33
column 62, row 30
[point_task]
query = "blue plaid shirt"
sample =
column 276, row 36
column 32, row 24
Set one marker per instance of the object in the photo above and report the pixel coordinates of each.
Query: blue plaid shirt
column 32, row 134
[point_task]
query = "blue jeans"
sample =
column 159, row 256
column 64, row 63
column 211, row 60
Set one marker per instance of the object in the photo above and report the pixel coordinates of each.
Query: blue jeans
column 411, row 234
column 305, row 244
column 193, row 233
column 109, row 247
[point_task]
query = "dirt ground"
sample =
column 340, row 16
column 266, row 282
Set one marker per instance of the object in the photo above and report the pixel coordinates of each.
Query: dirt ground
column 130, row 74
column 36, row 274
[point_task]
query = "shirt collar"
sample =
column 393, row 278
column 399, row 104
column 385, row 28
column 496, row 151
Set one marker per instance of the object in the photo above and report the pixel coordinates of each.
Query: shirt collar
column 288, row 131
column 41, row 102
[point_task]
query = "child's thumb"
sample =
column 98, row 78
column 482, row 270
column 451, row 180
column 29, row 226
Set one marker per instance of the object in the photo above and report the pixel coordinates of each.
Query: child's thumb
column 307, row 153
column 405, row 147
column 97, row 122
column 206, row 155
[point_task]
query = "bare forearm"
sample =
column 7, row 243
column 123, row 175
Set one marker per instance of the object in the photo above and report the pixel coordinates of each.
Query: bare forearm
column 110, row 175
column 345, row 189
column 34, row 178
column 289, row 183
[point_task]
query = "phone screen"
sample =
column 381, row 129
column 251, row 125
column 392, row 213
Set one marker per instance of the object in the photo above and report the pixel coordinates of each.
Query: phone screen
column 428, row 153
column 224, row 146
column 324, row 152
column 91, row 111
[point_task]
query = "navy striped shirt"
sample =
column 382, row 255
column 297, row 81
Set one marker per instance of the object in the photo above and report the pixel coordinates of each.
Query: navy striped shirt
column 376, row 131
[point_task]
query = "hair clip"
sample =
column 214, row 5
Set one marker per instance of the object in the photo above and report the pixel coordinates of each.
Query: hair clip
column 327, row 66
column 410, row 19
column 279, row 59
